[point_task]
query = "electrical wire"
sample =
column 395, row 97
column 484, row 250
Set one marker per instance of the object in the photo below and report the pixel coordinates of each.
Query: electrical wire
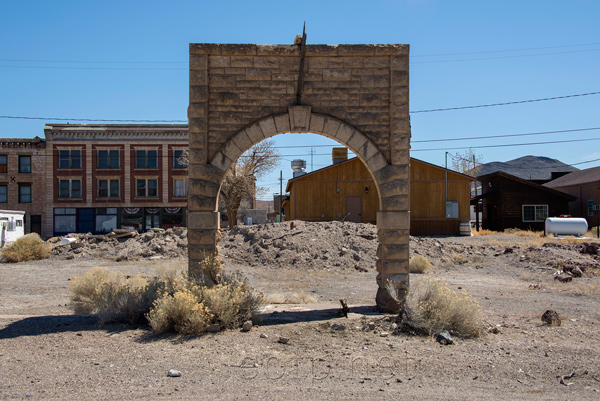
column 505, row 136
column 506, row 103
column 506, row 145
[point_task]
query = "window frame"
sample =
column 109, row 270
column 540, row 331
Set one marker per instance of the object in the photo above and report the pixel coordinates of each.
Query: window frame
column 5, row 186
column 109, row 188
column 4, row 166
column 108, row 158
column 146, row 188
column 535, row 213
column 70, row 188
column 185, row 188
column 21, row 186
column 69, row 159
column 176, row 164
column 145, row 159
column 21, row 165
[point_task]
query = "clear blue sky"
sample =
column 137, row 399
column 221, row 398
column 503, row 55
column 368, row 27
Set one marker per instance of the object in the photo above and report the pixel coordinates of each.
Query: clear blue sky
column 463, row 53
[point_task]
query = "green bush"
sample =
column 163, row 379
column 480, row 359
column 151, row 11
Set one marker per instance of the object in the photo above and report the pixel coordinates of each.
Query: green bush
column 28, row 247
column 419, row 264
column 431, row 307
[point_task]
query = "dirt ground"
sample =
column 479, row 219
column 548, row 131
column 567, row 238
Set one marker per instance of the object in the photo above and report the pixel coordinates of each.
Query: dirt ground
column 48, row 353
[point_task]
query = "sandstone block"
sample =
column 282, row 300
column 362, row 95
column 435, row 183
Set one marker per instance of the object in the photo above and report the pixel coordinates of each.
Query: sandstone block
column 388, row 220
column 203, row 220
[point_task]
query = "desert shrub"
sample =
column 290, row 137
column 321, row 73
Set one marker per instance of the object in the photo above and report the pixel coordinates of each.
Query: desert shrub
column 28, row 247
column 419, row 264
column 298, row 297
column 209, row 269
column 431, row 307
column 191, row 308
column 172, row 301
column 113, row 296
column 180, row 312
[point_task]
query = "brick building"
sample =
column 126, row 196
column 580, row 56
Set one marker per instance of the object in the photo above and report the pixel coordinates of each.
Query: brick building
column 23, row 179
column 102, row 177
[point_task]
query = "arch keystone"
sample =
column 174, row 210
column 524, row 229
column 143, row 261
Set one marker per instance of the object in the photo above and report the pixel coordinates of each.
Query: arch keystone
column 299, row 118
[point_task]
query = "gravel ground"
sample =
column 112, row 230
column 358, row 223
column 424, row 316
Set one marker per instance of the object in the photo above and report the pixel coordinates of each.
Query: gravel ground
column 48, row 353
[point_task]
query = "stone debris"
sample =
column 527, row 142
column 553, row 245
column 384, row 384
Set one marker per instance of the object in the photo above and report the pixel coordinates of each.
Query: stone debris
column 444, row 338
column 173, row 373
column 247, row 326
column 283, row 340
column 551, row 317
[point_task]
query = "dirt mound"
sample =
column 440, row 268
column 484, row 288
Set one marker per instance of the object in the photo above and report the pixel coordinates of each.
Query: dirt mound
column 311, row 245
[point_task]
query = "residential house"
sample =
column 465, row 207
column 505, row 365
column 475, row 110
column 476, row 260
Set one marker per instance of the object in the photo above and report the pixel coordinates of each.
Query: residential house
column 585, row 185
column 512, row 202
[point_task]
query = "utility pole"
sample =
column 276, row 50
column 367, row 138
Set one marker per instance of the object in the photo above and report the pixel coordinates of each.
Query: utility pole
column 312, row 152
column 280, row 195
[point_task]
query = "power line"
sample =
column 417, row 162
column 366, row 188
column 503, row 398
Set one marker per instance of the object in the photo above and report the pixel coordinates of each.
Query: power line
column 504, row 136
column 507, row 145
column 92, row 119
column 504, row 51
column 506, row 103
column 412, row 112
column 93, row 62
column 92, row 68
column 501, row 57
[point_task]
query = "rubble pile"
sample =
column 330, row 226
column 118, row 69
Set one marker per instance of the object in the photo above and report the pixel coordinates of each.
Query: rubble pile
column 123, row 245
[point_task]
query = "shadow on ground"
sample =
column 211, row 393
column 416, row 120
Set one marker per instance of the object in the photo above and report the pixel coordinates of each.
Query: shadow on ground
column 40, row 325
column 287, row 314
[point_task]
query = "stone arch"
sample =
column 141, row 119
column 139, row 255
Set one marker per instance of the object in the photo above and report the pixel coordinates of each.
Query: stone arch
column 354, row 94
column 300, row 119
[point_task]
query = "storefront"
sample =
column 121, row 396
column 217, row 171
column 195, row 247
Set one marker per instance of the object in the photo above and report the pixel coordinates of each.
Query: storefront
column 105, row 220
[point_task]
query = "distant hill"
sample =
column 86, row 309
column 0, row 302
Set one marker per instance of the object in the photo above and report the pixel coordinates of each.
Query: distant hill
column 528, row 167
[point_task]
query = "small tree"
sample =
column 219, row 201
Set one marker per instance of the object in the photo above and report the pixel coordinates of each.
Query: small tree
column 468, row 163
column 240, row 179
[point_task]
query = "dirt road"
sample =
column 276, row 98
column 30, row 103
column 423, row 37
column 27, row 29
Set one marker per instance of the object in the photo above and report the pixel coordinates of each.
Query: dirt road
column 47, row 353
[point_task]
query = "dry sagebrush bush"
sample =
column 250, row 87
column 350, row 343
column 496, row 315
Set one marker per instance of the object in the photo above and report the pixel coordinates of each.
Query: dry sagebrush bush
column 192, row 308
column 169, row 302
column 419, row 264
column 28, row 247
column 113, row 296
column 298, row 297
column 431, row 307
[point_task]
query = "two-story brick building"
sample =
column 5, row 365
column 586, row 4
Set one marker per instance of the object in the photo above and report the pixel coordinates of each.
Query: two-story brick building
column 102, row 177
column 23, row 179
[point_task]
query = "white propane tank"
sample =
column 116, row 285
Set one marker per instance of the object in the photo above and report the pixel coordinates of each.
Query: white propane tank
column 566, row 226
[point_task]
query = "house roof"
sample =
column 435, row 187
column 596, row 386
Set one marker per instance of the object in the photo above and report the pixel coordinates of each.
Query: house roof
column 528, row 183
column 353, row 159
column 576, row 178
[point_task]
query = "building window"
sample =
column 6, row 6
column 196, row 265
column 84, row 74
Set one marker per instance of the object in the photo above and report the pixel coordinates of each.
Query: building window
column 65, row 220
column 180, row 188
column 24, row 164
column 3, row 193
column 535, row 213
column 177, row 159
column 3, row 163
column 106, row 219
column 146, row 159
column 108, row 159
column 70, row 189
column 69, row 159
column 147, row 188
column 108, row 188
column 24, row 193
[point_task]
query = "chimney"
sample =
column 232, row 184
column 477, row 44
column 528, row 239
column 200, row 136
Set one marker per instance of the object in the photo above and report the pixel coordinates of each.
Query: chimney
column 339, row 155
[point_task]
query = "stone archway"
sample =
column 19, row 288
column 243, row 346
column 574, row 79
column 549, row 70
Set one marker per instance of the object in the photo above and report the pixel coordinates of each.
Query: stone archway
column 355, row 94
